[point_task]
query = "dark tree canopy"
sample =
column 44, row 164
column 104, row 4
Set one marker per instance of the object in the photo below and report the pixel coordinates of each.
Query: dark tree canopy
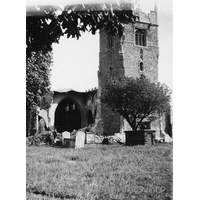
column 136, row 99
column 37, row 78
column 45, row 24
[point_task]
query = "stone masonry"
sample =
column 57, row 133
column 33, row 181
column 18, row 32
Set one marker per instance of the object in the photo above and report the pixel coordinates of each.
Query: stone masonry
column 134, row 54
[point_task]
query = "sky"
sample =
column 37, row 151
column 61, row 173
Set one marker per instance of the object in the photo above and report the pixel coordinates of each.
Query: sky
column 75, row 62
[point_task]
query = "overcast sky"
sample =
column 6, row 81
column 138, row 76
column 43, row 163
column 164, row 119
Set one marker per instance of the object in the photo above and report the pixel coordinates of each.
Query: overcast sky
column 76, row 61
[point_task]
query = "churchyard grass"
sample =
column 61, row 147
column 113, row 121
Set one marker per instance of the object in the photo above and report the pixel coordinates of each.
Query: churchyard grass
column 97, row 172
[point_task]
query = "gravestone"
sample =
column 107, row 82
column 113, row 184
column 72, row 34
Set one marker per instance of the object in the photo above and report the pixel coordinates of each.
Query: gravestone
column 80, row 139
column 89, row 138
column 69, row 143
column 65, row 135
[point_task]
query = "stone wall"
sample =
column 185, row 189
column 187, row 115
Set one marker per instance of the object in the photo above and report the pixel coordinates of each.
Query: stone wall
column 111, row 64
column 123, row 58
column 131, row 52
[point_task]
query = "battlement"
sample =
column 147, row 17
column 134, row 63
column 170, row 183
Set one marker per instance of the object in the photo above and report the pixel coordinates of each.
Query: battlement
column 150, row 18
column 92, row 89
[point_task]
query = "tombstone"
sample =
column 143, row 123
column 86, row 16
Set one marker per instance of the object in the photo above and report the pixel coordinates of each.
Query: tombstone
column 69, row 143
column 65, row 135
column 89, row 138
column 80, row 139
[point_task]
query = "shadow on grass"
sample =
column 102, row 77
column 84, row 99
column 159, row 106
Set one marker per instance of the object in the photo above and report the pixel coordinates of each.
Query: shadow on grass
column 60, row 196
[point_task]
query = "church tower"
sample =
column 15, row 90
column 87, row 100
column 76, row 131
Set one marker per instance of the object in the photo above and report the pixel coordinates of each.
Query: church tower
column 132, row 55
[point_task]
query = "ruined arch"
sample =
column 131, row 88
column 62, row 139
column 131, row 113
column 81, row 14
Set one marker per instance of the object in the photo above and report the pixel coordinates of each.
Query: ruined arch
column 68, row 115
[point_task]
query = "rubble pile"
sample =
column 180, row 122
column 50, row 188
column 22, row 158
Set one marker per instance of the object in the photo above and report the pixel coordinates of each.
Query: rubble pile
column 113, row 139
column 91, row 137
column 98, row 139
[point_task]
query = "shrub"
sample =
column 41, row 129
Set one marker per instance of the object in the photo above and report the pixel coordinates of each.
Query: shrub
column 38, row 139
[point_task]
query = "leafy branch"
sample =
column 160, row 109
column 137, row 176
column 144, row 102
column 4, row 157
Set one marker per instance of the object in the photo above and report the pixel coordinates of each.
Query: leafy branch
column 46, row 24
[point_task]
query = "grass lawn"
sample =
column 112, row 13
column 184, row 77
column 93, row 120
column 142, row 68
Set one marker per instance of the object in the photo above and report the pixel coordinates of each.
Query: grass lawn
column 97, row 172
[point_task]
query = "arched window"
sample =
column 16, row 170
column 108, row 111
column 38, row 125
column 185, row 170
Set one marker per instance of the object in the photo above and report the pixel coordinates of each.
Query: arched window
column 73, row 106
column 140, row 37
column 141, row 67
column 141, row 54
column 67, row 108
column 136, row 38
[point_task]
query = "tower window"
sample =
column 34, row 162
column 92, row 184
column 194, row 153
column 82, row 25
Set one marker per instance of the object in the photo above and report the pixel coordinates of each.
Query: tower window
column 140, row 37
column 141, row 67
column 141, row 54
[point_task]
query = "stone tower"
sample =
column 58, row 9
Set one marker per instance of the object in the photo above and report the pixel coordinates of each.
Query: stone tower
column 134, row 54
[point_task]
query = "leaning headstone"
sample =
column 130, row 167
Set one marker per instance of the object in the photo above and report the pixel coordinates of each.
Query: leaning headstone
column 80, row 139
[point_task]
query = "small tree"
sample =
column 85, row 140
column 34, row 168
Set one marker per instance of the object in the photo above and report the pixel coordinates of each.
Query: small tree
column 37, row 77
column 37, row 80
column 136, row 99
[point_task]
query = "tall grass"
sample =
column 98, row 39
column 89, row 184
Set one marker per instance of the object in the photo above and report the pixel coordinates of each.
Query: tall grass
column 100, row 172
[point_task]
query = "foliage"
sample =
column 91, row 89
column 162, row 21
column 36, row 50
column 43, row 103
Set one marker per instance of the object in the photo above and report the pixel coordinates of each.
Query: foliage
column 33, row 140
column 136, row 98
column 37, row 78
column 100, row 172
column 38, row 139
column 45, row 24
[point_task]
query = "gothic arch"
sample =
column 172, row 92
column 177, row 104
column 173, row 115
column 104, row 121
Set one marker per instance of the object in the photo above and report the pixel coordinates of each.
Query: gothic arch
column 68, row 115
